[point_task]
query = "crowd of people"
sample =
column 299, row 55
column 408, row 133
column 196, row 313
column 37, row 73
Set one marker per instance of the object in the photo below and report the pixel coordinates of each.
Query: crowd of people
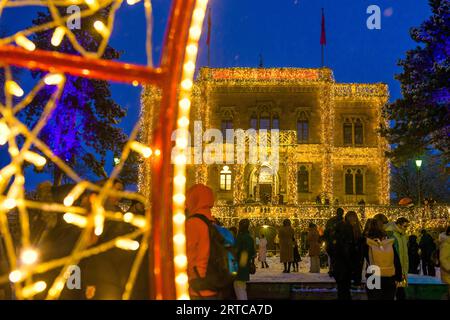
column 220, row 260
column 380, row 249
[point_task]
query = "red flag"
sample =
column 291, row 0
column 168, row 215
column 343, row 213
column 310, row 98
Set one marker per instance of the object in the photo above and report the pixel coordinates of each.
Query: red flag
column 208, row 38
column 323, row 38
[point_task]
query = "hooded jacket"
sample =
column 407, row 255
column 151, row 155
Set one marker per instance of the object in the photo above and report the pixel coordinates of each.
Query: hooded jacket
column 444, row 257
column 400, row 245
column 199, row 200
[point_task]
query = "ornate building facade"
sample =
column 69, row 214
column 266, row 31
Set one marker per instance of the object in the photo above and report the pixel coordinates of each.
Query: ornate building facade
column 329, row 148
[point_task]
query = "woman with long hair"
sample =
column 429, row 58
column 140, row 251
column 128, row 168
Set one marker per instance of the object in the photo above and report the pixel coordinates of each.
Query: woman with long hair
column 286, row 234
column 245, row 253
column 384, row 270
column 356, row 253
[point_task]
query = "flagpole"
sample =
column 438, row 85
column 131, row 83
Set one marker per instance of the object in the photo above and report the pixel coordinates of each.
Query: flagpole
column 323, row 38
column 208, row 40
column 323, row 64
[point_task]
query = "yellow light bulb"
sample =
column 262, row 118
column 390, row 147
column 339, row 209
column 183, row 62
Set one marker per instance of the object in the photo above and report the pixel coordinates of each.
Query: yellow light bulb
column 183, row 122
column 128, row 217
column 186, row 84
column 53, row 79
column 33, row 289
column 180, row 179
column 191, row 49
column 4, row 133
column 189, row 66
column 199, row 14
column 99, row 220
column 182, row 278
column 180, row 159
column 182, row 142
column 179, row 198
column 29, row 256
column 180, row 260
column 127, row 244
column 25, row 43
column 58, row 36
column 74, row 194
column 179, row 239
column 93, row 4
column 13, row 88
column 132, row 2
column 157, row 152
column 195, row 32
column 9, row 203
column 179, row 218
column 145, row 151
column 15, row 276
column 101, row 28
column 75, row 219
column 185, row 104
column 184, row 297
column 34, row 158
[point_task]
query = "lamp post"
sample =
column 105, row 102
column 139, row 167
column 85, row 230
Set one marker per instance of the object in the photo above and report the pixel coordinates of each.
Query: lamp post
column 418, row 166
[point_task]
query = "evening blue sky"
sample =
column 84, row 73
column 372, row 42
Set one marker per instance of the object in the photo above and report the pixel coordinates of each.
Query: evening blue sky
column 285, row 32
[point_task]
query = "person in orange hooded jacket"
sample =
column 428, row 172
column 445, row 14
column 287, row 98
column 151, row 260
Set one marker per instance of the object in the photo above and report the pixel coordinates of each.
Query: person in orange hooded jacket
column 199, row 200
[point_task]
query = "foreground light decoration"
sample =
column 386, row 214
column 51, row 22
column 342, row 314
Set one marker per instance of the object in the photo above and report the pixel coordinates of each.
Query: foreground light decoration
column 186, row 30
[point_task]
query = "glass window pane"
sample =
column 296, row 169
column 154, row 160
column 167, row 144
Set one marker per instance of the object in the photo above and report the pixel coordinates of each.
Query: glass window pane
column 264, row 123
column 254, row 123
column 348, row 183
column 275, row 123
column 348, row 134
column 359, row 133
column 359, row 182
column 303, row 180
column 302, row 131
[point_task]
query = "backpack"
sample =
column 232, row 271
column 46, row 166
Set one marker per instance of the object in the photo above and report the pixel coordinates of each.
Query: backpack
column 381, row 254
column 222, row 265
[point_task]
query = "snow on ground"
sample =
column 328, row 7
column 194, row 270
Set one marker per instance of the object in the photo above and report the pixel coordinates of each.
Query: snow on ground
column 275, row 272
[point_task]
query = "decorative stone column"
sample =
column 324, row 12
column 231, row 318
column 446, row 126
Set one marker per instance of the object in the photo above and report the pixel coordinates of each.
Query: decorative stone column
column 238, row 184
column 291, row 179
column 326, row 106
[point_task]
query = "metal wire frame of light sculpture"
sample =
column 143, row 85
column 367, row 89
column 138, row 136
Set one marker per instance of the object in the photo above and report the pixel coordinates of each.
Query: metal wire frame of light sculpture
column 173, row 77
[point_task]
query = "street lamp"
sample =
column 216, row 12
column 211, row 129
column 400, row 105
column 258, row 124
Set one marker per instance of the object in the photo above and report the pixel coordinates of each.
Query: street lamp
column 418, row 165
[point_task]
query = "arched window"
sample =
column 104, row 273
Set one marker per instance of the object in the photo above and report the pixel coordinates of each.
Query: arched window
column 354, row 181
column 303, row 180
column 254, row 121
column 225, row 179
column 264, row 121
column 348, row 181
column 275, row 122
column 358, row 129
column 302, row 131
column 359, row 182
column 353, row 132
column 226, row 124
